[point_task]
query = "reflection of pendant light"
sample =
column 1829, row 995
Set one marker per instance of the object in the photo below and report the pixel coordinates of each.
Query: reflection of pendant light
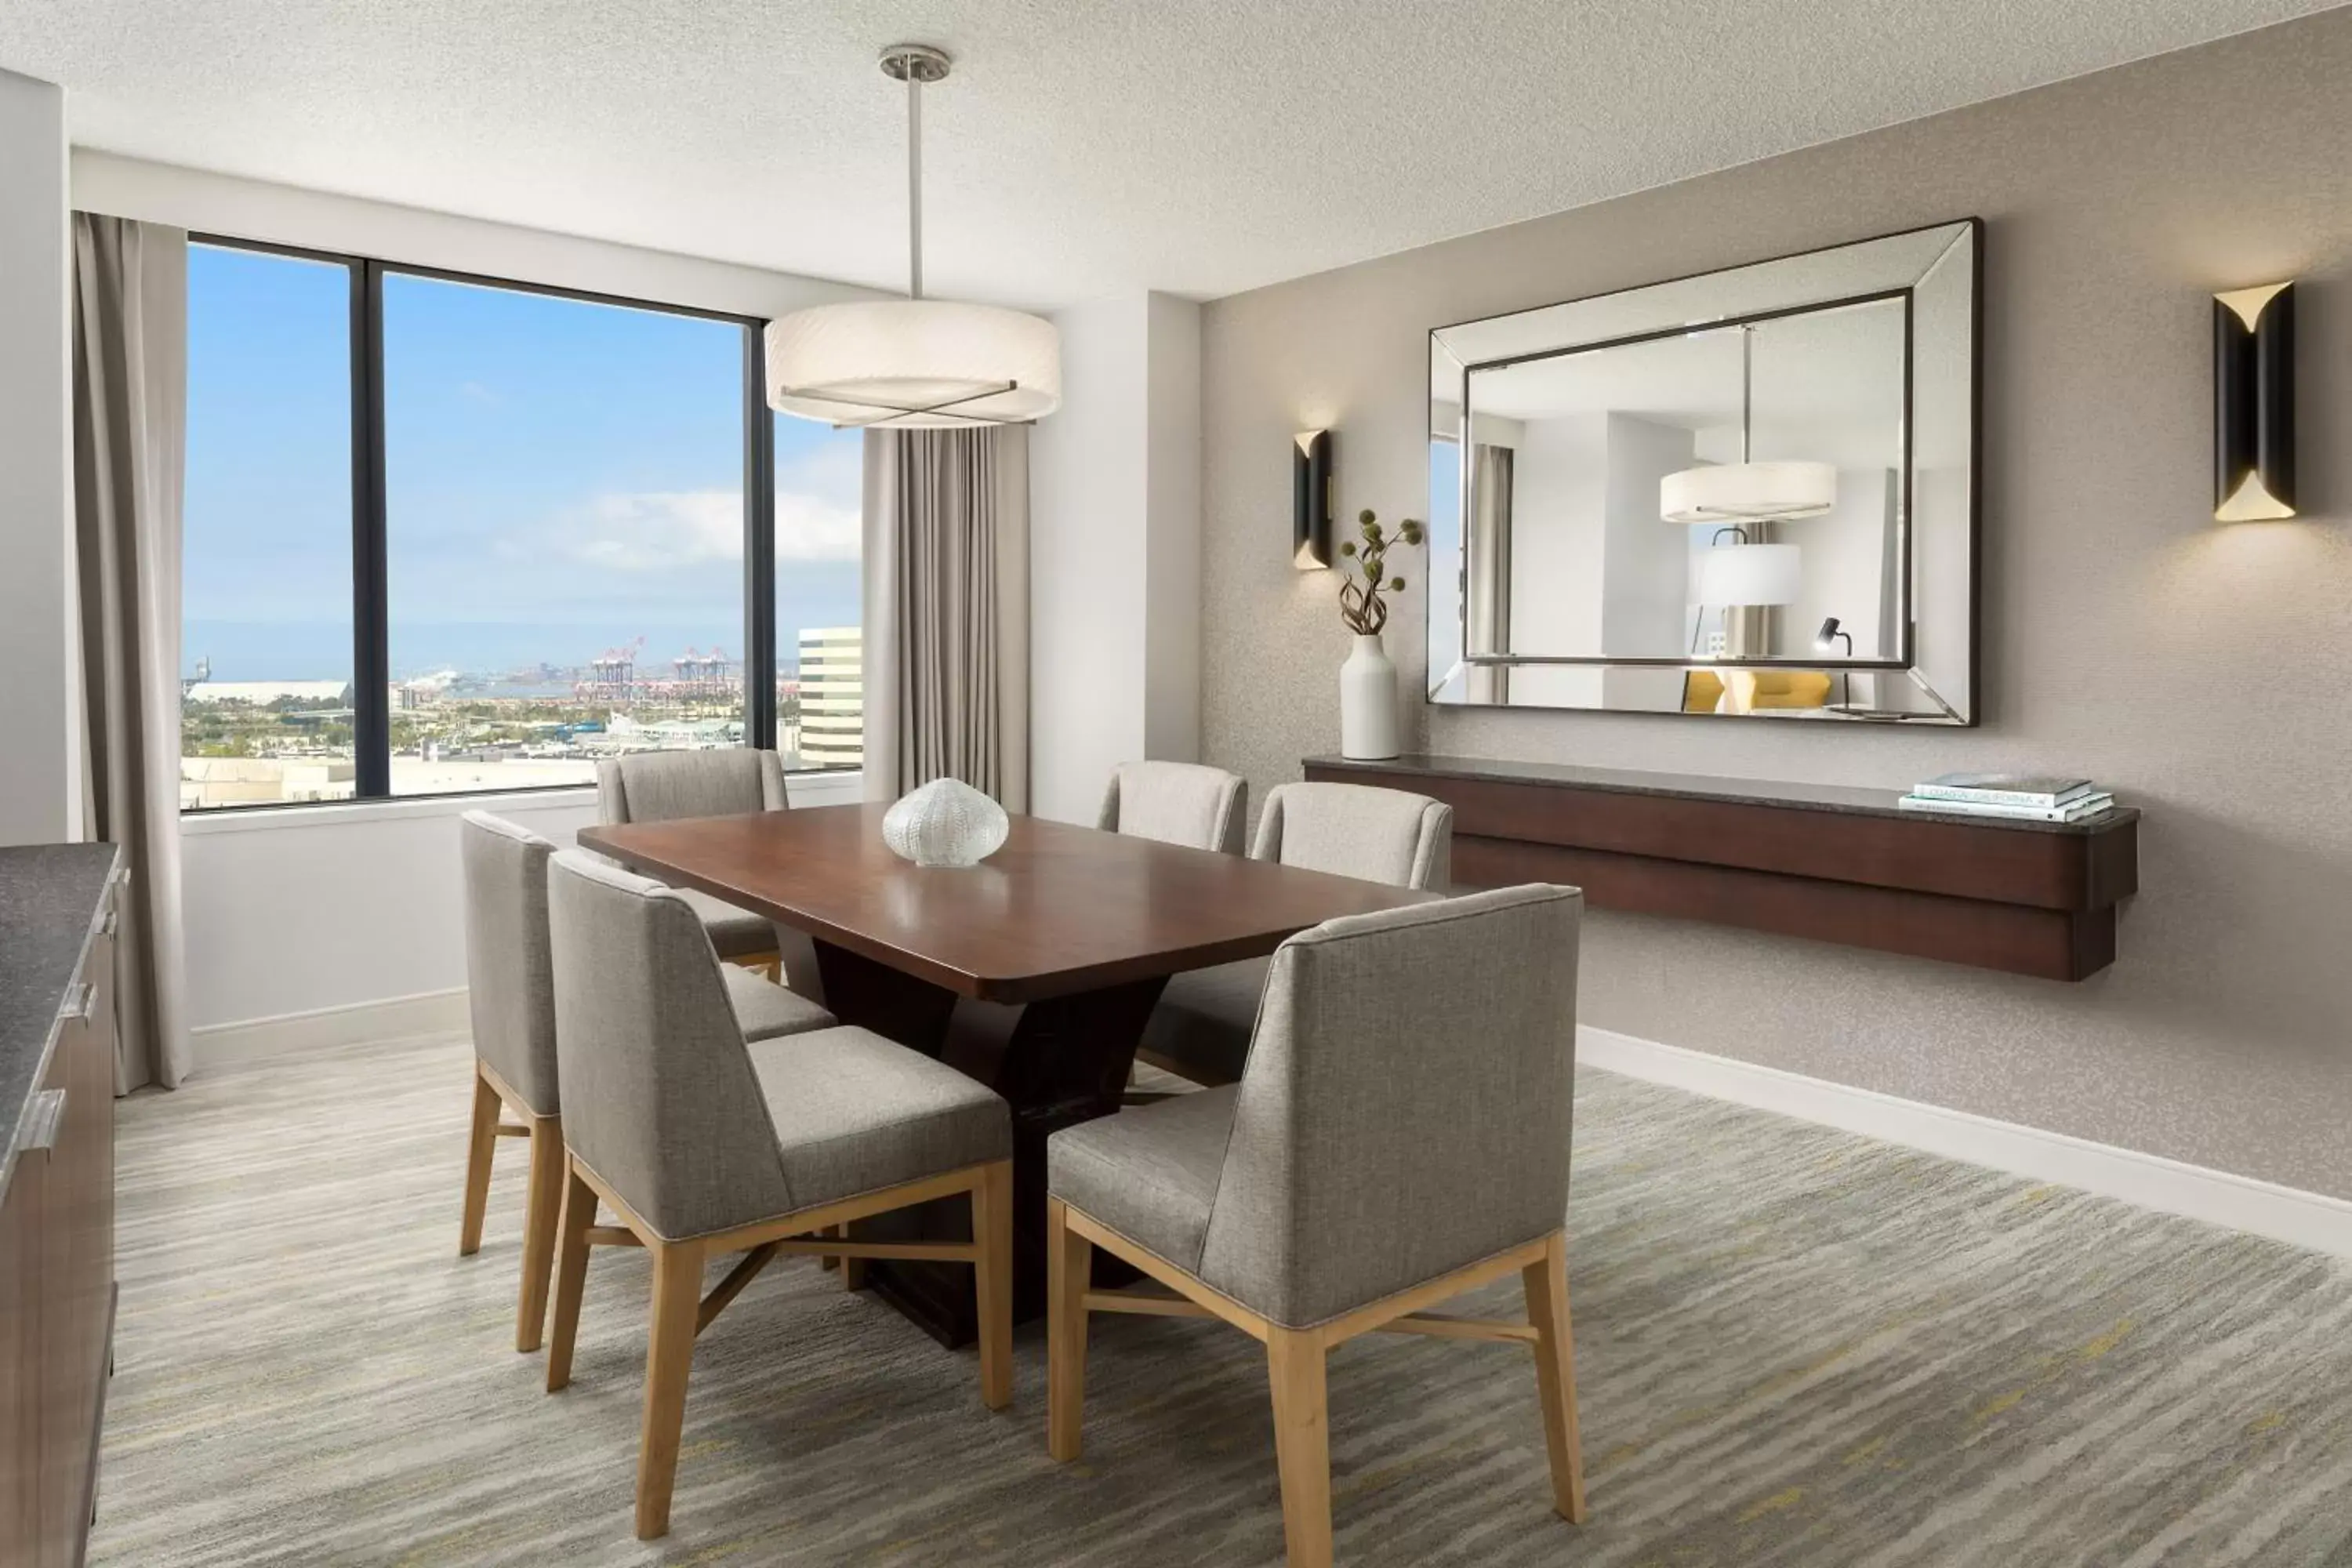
column 914, row 364
column 1747, row 491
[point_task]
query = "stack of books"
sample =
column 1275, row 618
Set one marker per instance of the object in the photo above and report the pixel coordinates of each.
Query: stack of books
column 2031, row 797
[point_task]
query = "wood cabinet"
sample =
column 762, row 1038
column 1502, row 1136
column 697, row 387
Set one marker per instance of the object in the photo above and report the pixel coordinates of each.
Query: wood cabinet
column 1825, row 862
column 57, row 1276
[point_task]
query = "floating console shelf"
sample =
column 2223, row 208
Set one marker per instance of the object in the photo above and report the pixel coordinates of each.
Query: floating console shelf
column 1828, row 863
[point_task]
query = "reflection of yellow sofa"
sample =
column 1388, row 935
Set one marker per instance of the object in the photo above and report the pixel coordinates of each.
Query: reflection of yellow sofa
column 1703, row 690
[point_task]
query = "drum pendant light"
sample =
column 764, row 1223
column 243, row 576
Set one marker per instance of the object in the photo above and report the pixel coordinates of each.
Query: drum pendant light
column 914, row 364
column 1747, row 491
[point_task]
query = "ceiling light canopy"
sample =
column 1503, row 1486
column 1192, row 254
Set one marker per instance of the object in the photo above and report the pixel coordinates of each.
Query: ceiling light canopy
column 1747, row 490
column 914, row 364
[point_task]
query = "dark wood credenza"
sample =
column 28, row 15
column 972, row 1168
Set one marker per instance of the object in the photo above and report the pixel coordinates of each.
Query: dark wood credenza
column 57, row 1192
column 1820, row 861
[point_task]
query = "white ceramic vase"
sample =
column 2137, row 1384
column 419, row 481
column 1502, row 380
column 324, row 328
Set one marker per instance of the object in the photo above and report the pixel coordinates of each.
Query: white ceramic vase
column 1367, row 701
column 945, row 822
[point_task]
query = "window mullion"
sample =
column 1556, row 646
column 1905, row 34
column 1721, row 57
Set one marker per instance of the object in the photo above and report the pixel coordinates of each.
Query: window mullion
column 370, row 618
column 759, row 547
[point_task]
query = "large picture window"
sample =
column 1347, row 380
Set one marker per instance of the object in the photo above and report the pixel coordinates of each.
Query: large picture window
column 450, row 534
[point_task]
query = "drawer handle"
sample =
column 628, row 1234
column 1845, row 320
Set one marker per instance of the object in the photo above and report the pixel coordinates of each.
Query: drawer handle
column 42, row 1116
column 81, row 1002
column 113, row 918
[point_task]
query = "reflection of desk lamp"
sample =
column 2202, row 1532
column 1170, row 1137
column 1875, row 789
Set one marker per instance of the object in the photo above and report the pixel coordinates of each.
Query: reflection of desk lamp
column 1826, row 640
column 1734, row 576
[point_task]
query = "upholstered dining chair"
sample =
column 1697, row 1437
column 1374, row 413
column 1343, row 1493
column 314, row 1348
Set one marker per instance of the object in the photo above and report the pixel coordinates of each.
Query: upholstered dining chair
column 1177, row 803
column 725, row 781
column 1200, row 1029
column 510, row 994
column 705, row 1144
column 1401, row 1135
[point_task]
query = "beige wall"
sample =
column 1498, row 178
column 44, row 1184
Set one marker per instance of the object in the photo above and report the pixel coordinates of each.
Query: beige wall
column 2205, row 672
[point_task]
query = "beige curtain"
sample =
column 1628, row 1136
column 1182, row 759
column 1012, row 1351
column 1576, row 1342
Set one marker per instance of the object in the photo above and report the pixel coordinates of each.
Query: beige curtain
column 947, row 611
column 129, row 366
column 1488, row 627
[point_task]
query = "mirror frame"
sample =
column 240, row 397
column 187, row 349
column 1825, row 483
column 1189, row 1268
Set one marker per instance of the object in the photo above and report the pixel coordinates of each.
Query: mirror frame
column 1890, row 266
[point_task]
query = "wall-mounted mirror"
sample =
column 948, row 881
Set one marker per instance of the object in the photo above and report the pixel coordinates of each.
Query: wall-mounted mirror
column 1750, row 493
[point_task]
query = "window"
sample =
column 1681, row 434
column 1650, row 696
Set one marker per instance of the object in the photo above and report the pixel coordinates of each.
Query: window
column 524, row 535
column 266, row 604
column 820, row 650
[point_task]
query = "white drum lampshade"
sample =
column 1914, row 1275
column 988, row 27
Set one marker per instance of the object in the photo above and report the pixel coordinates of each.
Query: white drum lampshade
column 1748, row 492
column 1736, row 574
column 871, row 363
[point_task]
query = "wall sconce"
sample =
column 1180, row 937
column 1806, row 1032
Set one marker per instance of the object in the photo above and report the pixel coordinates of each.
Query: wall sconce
column 1310, row 501
column 2253, row 403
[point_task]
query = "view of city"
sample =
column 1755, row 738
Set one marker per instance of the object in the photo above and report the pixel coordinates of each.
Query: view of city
column 255, row 741
column 564, row 563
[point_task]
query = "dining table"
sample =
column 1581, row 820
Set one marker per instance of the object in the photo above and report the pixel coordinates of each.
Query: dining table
column 1033, row 971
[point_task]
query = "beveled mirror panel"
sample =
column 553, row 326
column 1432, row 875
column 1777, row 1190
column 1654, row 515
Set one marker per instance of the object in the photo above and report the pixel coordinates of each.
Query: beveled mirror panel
column 1748, row 494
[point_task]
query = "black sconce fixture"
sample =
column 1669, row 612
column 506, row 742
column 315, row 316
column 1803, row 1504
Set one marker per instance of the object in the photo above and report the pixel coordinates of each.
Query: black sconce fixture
column 1310, row 501
column 2253, row 403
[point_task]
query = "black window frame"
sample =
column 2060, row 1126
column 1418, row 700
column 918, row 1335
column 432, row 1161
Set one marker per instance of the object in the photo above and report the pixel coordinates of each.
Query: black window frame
column 370, row 587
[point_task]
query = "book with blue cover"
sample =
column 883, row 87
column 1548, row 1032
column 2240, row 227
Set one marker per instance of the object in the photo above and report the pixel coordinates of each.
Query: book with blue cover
column 2042, row 790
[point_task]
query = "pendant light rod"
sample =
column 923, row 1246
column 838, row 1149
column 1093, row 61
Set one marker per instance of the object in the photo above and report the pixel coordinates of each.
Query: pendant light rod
column 914, row 186
column 915, row 63
column 1747, row 389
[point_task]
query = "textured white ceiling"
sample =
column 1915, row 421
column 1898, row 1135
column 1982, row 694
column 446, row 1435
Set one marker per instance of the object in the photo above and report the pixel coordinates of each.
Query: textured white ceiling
column 1082, row 147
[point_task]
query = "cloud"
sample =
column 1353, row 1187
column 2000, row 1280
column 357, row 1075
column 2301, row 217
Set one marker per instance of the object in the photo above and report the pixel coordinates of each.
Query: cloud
column 665, row 530
column 811, row 528
column 653, row 532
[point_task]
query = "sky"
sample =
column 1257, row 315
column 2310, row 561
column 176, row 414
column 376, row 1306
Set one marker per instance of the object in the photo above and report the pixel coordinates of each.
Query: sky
column 561, row 477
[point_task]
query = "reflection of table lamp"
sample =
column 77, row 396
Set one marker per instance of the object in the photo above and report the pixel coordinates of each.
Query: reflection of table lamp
column 1733, row 576
column 1824, row 641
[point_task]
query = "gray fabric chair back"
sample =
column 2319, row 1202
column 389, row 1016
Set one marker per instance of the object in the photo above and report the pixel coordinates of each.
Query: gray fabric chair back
column 1405, row 1109
column 509, row 984
column 663, row 786
column 1355, row 830
column 1177, row 803
column 659, row 1094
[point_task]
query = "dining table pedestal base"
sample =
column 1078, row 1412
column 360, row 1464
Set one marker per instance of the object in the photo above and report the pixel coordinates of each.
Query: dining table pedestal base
column 1058, row 1062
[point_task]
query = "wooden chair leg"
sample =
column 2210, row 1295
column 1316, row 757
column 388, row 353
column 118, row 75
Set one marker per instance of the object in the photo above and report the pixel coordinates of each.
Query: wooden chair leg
column 547, row 1165
column 479, row 1144
column 1069, row 1266
column 991, row 1228
column 669, row 1355
column 1547, row 1288
column 1302, row 1444
column 571, row 1273
column 853, row 1269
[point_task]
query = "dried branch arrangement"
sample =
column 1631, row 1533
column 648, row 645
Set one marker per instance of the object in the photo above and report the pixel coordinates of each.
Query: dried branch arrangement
column 1360, row 603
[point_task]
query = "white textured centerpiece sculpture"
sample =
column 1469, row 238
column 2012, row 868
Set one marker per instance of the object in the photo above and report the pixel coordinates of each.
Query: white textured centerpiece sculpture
column 945, row 822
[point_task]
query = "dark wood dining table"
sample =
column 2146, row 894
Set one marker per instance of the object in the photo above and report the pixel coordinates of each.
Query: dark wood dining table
column 1035, row 971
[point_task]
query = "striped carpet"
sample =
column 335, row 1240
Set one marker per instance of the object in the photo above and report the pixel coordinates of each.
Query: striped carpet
column 1795, row 1347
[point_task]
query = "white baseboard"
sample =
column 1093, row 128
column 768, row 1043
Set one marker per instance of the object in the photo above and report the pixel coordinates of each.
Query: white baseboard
column 357, row 1023
column 2241, row 1203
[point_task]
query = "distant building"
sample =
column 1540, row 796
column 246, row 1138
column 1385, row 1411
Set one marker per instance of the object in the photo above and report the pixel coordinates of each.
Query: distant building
column 262, row 693
column 208, row 782
column 833, row 698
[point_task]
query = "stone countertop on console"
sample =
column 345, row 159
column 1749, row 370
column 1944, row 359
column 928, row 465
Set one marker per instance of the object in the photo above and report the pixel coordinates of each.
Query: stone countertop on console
column 50, row 896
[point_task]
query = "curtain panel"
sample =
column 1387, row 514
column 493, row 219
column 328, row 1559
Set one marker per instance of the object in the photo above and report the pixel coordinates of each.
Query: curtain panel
column 130, row 393
column 947, row 611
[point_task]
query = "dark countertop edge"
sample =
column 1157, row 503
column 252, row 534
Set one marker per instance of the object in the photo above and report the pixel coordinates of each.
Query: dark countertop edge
column 1841, row 798
column 99, row 867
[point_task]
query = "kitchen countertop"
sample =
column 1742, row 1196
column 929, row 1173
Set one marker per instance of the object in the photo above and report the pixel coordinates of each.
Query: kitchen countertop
column 50, row 896
column 1750, row 792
